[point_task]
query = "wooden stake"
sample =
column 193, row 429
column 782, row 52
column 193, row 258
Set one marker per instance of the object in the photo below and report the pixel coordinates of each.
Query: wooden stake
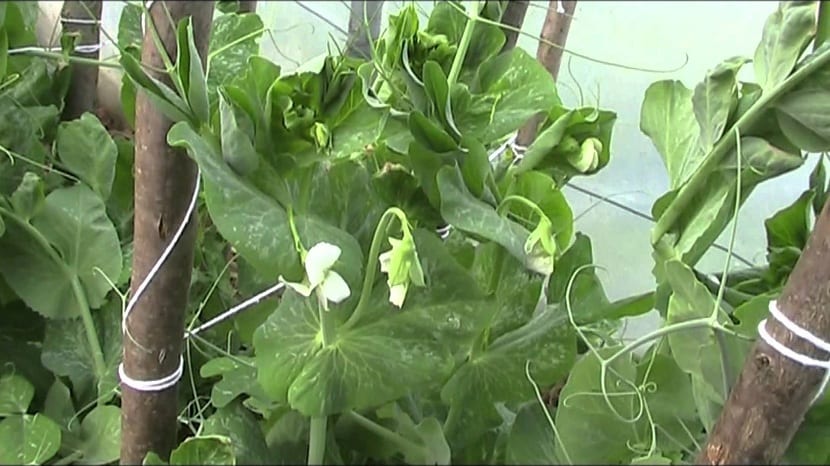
column 247, row 6
column 773, row 393
column 554, row 30
column 514, row 16
column 164, row 179
column 82, row 19
column 362, row 11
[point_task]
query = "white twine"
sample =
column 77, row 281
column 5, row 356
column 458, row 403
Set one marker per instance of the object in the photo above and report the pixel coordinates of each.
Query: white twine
column 80, row 21
column 793, row 355
column 89, row 48
column 560, row 8
column 172, row 379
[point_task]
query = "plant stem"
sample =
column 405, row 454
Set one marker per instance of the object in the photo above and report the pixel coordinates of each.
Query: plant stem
column 680, row 326
column 452, row 419
column 701, row 177
column 823, row 27
column 464, row 44
column 77, row 290
column 383, row 432
column 372, row 263
column 70, row 59
column 317, row 440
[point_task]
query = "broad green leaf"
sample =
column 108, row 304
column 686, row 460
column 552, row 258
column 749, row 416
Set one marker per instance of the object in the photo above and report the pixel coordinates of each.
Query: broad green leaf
column 376, row 361
column 28, row 439
column 129, row 26
column 542, row 190
column 58, row 406
column 85, row 147
column 243, row 428
column 545, row 142
column 168, row 102
column 667, row 118
column 808, row 447
column 358, row 126
column 16, row 394
column 465, row 212
column 233, row 41
column 487, row 39
column 714, row 98
column 696, row 351
column 532, row 439
column 587, row 296
column 426, row 443
column 74, row 222
column 238, row 378
column 254, row 223
column 589, row 431
column 497, row 372
column 204, row 449
column 787, row 32
column 237, row 149
column 652, row 459
column 99, row 437
column 818, row 183
column 510, row 88
column 800, row 112
column 67, row 353
column 197, row 92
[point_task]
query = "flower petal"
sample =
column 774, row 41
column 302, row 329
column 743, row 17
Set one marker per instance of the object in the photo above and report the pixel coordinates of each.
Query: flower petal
column 397, row 293
column 320, row 258
column 301, row 288
column 385, row 259
column 334, row 288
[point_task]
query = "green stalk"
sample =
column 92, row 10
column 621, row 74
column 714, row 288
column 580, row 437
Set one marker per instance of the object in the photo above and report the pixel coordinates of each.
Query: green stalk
column 383, row 432
column 70, row 59
column 317, row 430
column 722, row 148
column 317, row 440
column 80, row 296
column 464, row 44
column 823, row 28
column 372, row 263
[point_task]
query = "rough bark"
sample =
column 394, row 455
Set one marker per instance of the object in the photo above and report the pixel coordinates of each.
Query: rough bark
column 247, row 6
column 773, row 393
column 514, row 16
column 164, row 179
column 363, row 13
column 83, row 88
column 554, row 30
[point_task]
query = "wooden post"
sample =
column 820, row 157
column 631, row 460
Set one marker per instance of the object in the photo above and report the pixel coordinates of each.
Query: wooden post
column 247, row 6
column 363, row 10
column 82, row 18
column 554, row 30
column 164, row 181
column 772, row 394
column 514, row 16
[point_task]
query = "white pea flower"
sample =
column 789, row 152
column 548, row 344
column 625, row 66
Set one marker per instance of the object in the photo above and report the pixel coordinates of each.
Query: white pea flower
column 328, row 284
column 402, row 267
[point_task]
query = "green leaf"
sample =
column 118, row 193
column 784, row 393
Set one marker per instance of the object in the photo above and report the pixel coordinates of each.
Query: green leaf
column 243, row 429
column 165, row 99
column 28, row 439
column 714, row 98
column 229, row 52
column 510, row 88
column 377, row 361
column 667, row 118
column 88, row 151
column 253, row 222
column 16, row 394
column 129, row 26
column 582, row 410
column 197, row 93
column 497, row 374
column 238, row 378
column 59, row 408
column 28, row 199
column 787, row 32
column 206, row 449
column 465, row 212
column 800, row 112
column 587, row 298
column 67, row 353
column 542, row 190
column 74, row 221
column 532, row 439
column 696, row 351
column 99, row 437
column 237, row 149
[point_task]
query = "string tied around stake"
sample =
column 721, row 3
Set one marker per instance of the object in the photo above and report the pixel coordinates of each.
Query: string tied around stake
column 802, row 333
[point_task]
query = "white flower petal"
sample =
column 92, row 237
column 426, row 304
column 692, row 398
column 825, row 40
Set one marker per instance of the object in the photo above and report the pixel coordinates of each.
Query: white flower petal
column 385, row 259
column 397, row 293
column 320, row 258
column 334, row 288
column 301, row 288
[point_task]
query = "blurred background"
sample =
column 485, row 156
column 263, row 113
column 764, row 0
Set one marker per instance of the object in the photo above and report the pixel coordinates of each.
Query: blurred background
column 657, row 35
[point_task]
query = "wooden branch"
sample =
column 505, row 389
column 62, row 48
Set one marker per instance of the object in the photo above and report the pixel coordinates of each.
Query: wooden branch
column 164, row 180
column 554, row 30
column 514, row 17
column 362, row 11
column 773, row 393
column 83, row 87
